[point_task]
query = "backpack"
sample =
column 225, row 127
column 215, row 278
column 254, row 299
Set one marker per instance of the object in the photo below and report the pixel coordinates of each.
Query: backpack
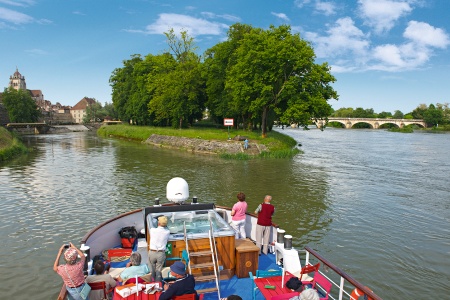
column 128, row 236
column 294, row 284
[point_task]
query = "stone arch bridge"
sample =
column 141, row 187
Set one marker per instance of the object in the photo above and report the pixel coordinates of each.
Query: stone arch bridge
column 375, row 123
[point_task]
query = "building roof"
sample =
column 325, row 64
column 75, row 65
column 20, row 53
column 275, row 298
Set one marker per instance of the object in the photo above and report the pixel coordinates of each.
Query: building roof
column 35, row 93
column 83, row 103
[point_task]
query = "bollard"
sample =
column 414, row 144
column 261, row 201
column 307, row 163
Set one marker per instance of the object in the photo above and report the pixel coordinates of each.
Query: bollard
column 280, row 235
column 287, row 242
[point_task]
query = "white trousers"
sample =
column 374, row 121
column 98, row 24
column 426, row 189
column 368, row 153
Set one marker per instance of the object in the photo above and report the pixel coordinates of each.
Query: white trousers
column 239, row 228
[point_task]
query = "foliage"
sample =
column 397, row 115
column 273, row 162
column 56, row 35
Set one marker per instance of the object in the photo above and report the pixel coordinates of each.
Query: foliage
column 433, row 116
column 178, row 92
column 406, row 129
column 10, row 145
column 418, row 113
column 267, row 75
column 384, row 115
column 93, row 113
column 20, row 106
column 108, row 110
column 129, row 94
column 398, row 115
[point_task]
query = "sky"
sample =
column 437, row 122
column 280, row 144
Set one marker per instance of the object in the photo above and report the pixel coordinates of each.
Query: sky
column 385, row 54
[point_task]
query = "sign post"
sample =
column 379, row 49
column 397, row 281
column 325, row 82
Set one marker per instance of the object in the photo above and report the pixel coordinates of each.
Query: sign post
column 228, row 122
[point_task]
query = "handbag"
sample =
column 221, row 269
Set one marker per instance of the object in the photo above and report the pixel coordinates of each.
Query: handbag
column 84, row 291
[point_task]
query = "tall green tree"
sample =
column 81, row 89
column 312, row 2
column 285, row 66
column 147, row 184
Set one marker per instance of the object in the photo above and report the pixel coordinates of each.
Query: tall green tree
column 93, row 113
column 418, row 112
column 273, row 71
column 178, row 92
column 433, row 116
column 20, row 106
column 398, row 115
column 384, row 115
column 218, row 59
column 123, row 83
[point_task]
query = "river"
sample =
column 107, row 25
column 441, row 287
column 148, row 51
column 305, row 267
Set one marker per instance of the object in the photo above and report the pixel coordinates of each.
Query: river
column 373, row 202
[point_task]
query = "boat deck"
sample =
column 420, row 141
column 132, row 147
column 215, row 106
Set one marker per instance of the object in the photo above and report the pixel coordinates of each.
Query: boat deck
column 240, row 286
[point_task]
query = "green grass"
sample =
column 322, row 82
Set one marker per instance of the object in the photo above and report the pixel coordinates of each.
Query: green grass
column 10, row 145
column 279, row 145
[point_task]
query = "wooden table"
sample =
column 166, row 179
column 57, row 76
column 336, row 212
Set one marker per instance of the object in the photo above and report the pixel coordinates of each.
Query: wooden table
column 275, row 281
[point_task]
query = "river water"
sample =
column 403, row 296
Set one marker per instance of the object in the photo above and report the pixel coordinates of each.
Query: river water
column 375, row 203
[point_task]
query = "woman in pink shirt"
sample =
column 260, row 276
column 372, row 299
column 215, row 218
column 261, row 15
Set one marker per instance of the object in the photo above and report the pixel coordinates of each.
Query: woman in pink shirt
column 72, row 271
column 238, row 216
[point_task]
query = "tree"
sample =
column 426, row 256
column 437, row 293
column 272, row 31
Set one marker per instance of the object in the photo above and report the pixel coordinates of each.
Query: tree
column 93, row 112
column 418, row 113
column 20, row 106
column 122, row 82
column 433, row 116
column 177, row 91
column 218, row 59
column 398, row 115
column 109, row 110
column 274, row 71
column 343, row 112
column 384, row 115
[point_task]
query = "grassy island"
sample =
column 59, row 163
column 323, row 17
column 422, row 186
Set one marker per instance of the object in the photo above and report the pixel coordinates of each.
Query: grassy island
column 275, row 145
column 10, row 145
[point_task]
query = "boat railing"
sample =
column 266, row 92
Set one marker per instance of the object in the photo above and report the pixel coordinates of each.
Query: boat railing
column 342, row 277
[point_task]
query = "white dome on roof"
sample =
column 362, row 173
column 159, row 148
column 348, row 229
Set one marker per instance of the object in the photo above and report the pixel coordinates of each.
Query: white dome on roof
column 177, row 190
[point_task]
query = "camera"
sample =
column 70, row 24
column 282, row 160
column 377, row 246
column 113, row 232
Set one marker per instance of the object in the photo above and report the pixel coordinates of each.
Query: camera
column 66, row 246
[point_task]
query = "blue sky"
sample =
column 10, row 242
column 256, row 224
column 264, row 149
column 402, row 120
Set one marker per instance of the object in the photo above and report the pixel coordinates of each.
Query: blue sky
column 385, row 54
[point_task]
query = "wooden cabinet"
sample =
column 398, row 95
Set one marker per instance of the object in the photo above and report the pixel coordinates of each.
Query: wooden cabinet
column 247, row 255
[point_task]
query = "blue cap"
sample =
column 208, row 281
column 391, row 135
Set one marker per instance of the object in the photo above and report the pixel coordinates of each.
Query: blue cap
column 178, row 267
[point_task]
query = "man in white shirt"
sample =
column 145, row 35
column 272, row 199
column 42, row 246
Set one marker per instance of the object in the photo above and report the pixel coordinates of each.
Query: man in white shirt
column 157, row 253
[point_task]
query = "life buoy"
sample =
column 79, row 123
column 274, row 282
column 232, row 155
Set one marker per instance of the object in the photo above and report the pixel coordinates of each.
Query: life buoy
column 358, row 293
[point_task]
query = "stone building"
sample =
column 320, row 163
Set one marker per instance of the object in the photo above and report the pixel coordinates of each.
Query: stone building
column 79, row 110
column 17, row 82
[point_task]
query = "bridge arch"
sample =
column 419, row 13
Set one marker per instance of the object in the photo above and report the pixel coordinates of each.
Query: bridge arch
column 374, row 123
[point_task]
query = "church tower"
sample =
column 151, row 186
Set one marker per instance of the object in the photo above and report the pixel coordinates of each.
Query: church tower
column 17, row 81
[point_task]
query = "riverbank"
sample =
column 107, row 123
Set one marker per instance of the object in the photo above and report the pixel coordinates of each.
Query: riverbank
column 218, row 141
column 10, row 145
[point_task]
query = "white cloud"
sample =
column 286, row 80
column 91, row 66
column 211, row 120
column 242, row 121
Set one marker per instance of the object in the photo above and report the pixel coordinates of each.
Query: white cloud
column 230, row 18
column 22, row 3
column 343, row 38
column 381, row 15
column 399, row 58
column 77, row 12
column 280, row 16
column 14, row 17
column 36, row 52
column 227, row 17
column 193, row 26
column 301, row 3
column 426, row 35
column 413, row 54
column 326, row 8
column 44, row 21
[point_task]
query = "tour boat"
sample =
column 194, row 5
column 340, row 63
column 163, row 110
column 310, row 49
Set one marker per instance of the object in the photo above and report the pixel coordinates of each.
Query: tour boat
column 201, row 236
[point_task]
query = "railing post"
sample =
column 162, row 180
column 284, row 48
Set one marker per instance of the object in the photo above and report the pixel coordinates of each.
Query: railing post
column 341, row 288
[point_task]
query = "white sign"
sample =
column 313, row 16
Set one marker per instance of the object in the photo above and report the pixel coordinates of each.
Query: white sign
column 228, row 122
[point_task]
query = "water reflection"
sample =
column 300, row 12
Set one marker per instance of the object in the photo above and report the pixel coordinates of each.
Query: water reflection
column 373, row 202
